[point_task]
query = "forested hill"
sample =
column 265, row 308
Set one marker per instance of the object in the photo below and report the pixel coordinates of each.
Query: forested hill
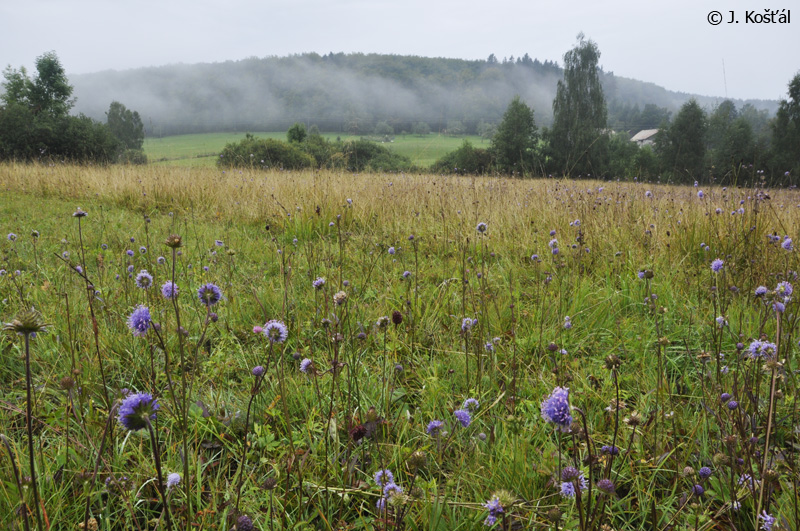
column 353, row 92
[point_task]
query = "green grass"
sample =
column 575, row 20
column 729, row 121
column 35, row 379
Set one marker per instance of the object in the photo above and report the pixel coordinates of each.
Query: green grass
column 279, row 231
column 201, row 150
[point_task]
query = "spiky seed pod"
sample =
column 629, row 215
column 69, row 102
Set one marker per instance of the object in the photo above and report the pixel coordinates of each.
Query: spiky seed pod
column 28, row 322
column 613, row 362
column 174, row 241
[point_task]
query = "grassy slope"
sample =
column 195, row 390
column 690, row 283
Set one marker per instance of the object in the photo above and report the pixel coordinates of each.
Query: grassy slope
column 200, row 150
column 623, row 229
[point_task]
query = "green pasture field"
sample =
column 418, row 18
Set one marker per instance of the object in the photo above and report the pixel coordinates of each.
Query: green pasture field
column 201, row 150
column 534, row 354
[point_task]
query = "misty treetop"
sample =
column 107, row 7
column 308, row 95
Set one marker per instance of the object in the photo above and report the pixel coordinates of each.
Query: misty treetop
column 349, row 93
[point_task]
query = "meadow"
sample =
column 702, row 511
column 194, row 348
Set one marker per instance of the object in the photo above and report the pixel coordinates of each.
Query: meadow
column 201, row 150
column 320, row 350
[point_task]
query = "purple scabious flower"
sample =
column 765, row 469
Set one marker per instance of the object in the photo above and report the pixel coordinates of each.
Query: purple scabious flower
column 761, row 291
column 129, row 252
column 384, row 477
column 733, row 404
column 143, row 249
column 391, row 250
column 219, row 243
column 258, row 371
column 209, row 294
column 787, row 243
column 481, row 228
column 784, row 289
column 556, row 410
column 169, row 290
column 495, row 509
column 768, row 521
column 611, row 450
column 144, row 280
column 139, row 321
column 716, row 265
column 648, row 194
column 463, row 416
column 760, row 349
column 724, row 397
column 779, row 307
column 137, row 410
column 606, row 485
column 173, row 480
column 276, row 331
column 406, row 274
column 391, row 489
column 553, row 243
column 470, row 404
column 434, row 428
column 567, row 323
column 306, row 366
column 12, row 237
column 698, row 490
column 318, row 283
column 700, row 194
column 721, row 321
column 244, row 522
column 466, row 324
column 704, row 472
column 161, row 260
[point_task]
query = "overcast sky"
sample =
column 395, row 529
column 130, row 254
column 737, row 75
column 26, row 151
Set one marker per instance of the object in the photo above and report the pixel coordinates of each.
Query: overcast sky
column 669, row 43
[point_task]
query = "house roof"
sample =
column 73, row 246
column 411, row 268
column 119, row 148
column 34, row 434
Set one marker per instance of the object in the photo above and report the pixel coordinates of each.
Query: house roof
column 643, row 135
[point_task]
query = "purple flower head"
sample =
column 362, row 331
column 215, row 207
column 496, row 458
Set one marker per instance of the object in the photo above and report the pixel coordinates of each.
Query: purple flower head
column 406, row 274
column 470, row 404
column 606, row 485
column 244, row 522
column 761, row 349
column 567, row 323
column 556, row 410
column 219, row 243
column 784, row 289
column 129, row 252
column 698, row 490
column 161, row 260
column 139, row 321
column 467, row 324
column 258, row 371
column 567, row 489
column 716, row 265
column 481, row 228
column 724, row 397
column 553, row 243
column 136, row 410
column 318, row 283
column 169, row 290
column 391, row 489
column 306, row 366
column 12, row 237
column 384, row 477
column 704, row 472
column 209, row 294
column 767, row 521
column 495, row 509
column 700, row 194
column 610, row 450
column 463, row 416
column 130, row 268
column 276, row 331
column 391, row 250
column 648, row 194
column 434, row 428
column 787, row 243
column 733, row 404
column 144, row 280
column 761, row 291
column 779, row 307
column 143, row 249
column 173, row 480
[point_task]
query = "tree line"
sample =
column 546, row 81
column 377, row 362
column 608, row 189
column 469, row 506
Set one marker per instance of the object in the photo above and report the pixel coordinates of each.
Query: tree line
column 35, row 124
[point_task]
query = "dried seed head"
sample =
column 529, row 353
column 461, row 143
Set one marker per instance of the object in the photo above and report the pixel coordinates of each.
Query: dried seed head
column 67, row 383
column 613, row 362
column 340, row 298
column 80, row 214
column 26, row 323
column 417, row 460
column 554, row 514
column 174, row 241
column 633, row 420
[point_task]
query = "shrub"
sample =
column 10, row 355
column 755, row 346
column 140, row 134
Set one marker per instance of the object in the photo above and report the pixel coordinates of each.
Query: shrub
column 252, row 152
